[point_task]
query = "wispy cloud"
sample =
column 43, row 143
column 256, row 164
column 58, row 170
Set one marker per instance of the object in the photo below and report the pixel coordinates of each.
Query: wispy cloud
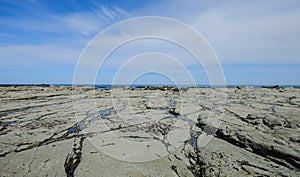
column 110, row 13
column 86, row 24
column 7, row 35
column 36, row 55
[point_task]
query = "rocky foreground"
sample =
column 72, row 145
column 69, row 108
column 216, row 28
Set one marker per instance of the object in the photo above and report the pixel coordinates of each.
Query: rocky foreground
column 157, row 131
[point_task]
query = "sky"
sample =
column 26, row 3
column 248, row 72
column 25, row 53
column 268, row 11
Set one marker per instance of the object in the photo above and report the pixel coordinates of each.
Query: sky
column 257, row 42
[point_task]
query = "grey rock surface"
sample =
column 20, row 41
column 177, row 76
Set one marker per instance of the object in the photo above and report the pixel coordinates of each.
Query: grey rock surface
column 149, row 131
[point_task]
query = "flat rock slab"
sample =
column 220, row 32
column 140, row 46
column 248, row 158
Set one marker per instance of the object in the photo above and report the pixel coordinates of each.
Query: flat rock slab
column 157, row 131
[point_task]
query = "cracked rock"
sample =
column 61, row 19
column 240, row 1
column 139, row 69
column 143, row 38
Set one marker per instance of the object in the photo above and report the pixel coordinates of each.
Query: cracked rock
column 149, row 131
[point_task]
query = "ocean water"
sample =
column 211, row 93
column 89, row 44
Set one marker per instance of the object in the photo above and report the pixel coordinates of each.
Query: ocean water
column 108, row 86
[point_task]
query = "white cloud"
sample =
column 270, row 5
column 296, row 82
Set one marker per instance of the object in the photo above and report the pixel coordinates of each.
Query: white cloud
column 84, row 23
column 40, row 18
column 239, row 31
column 268, row 38
column 7, row 35
column 109, row 14
column 35, row 55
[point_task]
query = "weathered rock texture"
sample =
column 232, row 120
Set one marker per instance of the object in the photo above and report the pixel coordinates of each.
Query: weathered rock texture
column 254, row 132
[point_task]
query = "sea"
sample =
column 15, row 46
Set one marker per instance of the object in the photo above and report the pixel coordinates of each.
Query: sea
column 141, row 86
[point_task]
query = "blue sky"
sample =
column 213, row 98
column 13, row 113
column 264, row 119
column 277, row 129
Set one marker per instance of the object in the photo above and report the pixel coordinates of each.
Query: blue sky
column 257, row 42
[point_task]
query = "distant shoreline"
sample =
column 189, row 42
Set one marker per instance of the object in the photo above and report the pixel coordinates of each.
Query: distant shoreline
column 143, row 86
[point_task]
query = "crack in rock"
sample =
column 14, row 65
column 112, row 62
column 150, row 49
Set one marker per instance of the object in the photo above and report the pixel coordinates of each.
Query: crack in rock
column 74, row 158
